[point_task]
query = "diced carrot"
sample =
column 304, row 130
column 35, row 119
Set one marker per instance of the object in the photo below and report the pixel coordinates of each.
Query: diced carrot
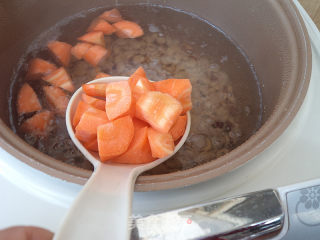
column 95, row 89
column 61, row 50
column 139, row 83
column 39, row 67
column 86, row 130
column 92, row 146
column 138, row 151
column 132, row 110
column 161, row 144
column 60, row 78
column 139, row 73
column 95, row 102
column 95, row 54
column 115, row 137
column 112, row 15
column 186, row 103
column 101, row 25
column 179, row 127
column 177, row 88
column 38, row 124
column 142, row 86
column 118, row 99
column 81, row 108
column 102, row 75
column 57, row 98
column 80, row 49
column 137, row 123
column 93, row 37
column 158, row 109
column 27, row 100
column 128, row 29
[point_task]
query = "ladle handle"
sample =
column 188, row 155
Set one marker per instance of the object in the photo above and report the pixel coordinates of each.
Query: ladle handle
column 91, row 216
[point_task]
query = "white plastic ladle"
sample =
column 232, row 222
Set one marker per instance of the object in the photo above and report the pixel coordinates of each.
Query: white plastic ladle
column 102, row 210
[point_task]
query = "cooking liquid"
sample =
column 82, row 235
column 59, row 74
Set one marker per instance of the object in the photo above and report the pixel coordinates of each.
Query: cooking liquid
column 226, row 93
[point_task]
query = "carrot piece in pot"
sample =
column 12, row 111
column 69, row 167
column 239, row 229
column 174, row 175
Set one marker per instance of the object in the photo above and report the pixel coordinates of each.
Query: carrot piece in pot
column 115, row 137
column 57, row 98
column 161, row 144
column 177, row 88
column 80, row 49
column 95, row 54
column 94, row 38
column 137, row 123
column 101, row 25
column 95, row 89
column 86, row 130
column 92, row 146
column 139, row 83
column 39, row 67
column 111, row 16
column 38, row 124
column 81, row 109
column 142, row 86
column 95, row 102
column 102, row 75
column 179, row 127
column 139, row 73
column 27, row 100
column 158, row 109
column 139, row 150
column 60, row 78
column 118, row 99
column 61, row 50
column 128, row 29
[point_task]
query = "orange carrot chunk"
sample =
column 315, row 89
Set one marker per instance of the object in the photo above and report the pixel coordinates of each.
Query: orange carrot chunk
column 38, row 124
column 115, row 137
column 139, row 73
column 180, row 89
column 93, row 37
column 138, row 151
column 128, row 29
column 101, row 25
column 95, row 54
column 92, row 146
column 95, row 102
column 80, row 49
column 142, row 86
column 158, row 109
column 57, row 98
column 179, row 127
column 112, row 15
column 86, row 130
column 27, row 100
column 139, row 83
column 118, row 99
column 186, row 103
column 137, row 123
column 102, row 75
column 95, row 89
column 61, row 50
column 39, row 67
column 60, row 78
column 161, row 144
column 81, row 108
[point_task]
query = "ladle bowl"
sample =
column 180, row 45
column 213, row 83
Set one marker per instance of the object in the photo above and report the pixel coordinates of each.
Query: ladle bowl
column 103, row 207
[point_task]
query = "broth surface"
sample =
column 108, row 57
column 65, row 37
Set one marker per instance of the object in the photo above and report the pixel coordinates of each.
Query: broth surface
column 226, row 97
